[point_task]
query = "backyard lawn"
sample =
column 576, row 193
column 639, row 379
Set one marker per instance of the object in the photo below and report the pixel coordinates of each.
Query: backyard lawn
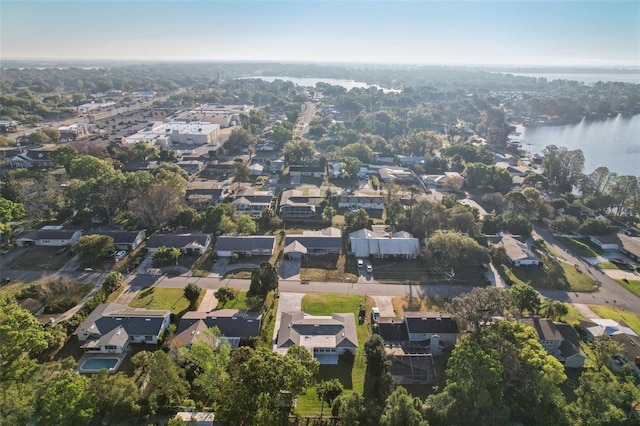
column 162, row 298
column 631, row 285
column 630, row 319
column 40, row 258
column 350, row 372
column 581, row 247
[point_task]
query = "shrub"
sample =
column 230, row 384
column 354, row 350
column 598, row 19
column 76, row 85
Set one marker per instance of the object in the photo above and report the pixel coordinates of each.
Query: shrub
column 224, row 294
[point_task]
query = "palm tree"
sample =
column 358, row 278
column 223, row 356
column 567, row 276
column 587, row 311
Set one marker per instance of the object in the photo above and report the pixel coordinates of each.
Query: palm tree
column 554, row 309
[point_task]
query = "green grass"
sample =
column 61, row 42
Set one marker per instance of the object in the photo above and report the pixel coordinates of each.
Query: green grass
column 581, row 247
column 328, row 268
column 203, row 265
column 240, row 302
column 608, row 265
column 631, row 319
column 552, row 274
column 632, row 285
column 573, row 317
column 161, row 298
column 268, row 320
column 417, row 272
column 38, row 258
column 349, row 372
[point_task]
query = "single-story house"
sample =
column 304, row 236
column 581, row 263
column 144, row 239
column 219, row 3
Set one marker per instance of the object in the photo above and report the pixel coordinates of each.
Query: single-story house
column 559, row 340
column 518, row 253
column 33, row 158
column 256, row 169
column 629, row 246
column 325, row 241
column 191, row 167
column 276, row 166
column 234, row 325
column 254, row 204
column 380, row 242
column 429, row 331
column 607, row 242
column 326, row 337
column 196, row 418
column 220, row 169
column 595, row 327
column 111, row 327
column 203, row 198
column 124, row 240
column 373, row 202
column 246, row 245
column 405, row 160
column 140, row 166
column 313, row 170
column 389, row 174
column 295, row 204
column 190, row 243
column 48, row 237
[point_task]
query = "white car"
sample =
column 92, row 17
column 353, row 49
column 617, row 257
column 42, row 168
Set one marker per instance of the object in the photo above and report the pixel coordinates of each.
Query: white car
column 360, row 263
column 369, row 268
column 120, row 254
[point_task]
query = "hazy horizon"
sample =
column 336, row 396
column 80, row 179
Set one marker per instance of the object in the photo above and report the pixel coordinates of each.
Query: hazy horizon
column 583, row 34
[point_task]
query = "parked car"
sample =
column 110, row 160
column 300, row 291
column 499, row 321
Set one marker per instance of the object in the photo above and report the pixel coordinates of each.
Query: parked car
column 360, row 263
column 369, row 268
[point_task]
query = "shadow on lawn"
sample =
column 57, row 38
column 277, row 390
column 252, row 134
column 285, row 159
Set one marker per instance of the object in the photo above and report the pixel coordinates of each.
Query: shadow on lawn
column 342, row 371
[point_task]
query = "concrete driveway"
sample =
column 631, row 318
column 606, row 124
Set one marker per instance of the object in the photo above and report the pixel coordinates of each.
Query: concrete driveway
column 287, row 302
column 290, row 269
column 384, row 304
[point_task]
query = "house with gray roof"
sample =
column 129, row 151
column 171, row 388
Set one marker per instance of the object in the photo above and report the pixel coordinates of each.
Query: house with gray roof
column 202, row 198
column 629, row 246
column 364, row 201
column 48, row 237
column 380, row 242
column 313, row 243
column 111, row 327
column 313, row 170
column 296, row 204
column 234, row 325
column 124, row 240
column 244, row 245
column 518, row 253
column 559, row 340
column 188, row 243
column 432, row 331
column 326, row 337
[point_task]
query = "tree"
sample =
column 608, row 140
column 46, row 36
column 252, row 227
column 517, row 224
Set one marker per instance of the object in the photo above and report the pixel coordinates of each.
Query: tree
column 400, row 410
column 424, row 218
column 142, row 151
column 565, row 224
column 263, row 279
column 39, row 137
column 116, row 397
column 304, row 357
column 487, row 177
column 328, row 391
column 91, row 248
column 281, row 134
column 240, row 140
column 20, row 333
column 602, row 400
column 593, row 226
column 477, row 307
column 604, row 348
column 377, row 376
column 164, row 383
column 461, row 218
column 240, row 172
column 535, row 180
column 88, row 167
column 63, row 155
column 192, row 293
column 351, row 166
column 299, row 151
column 206, row 368
column 350, row 408
column 66, row 400
column 553, row 309
column 328, row 213
column 157, row 206
column 527, row 202
column 455, row 249
column 453, row 182
column 112, row 281
column 562, row 167
column 525, row 298
column 245, row 224
column 358, row 150
column 166, row 256
column 356, row 220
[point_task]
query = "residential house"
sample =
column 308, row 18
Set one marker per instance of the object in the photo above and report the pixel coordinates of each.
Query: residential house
column 361, row 201
column 296, row 204
column 629, row 246
column 395, row 174
column 325, row 241
column 404, row 160
column 249, row 245
column 32, row 159
column 381, row 158
column 276, row 166
column 326, row 337
column 256, row 169
column 111, row 327
column 48, row 237
column 595, row 327
column 419, row 330
column 234, row 325
column 220, row 169
column 312, row 170
column 252, row 202
column 188, row 243
column 203, row 198
column 191, row 167
column 559, row 340
column 195, row 418
column 140, row 166
column 579, row 211
column 124, row 240
column 514, row 170
column 518, row 253
column 382, row 242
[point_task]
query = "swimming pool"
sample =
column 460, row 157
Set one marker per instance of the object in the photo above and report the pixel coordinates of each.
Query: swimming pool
column 97, row 364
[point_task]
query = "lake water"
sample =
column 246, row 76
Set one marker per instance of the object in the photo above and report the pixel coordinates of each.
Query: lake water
column 614, row 143
column 311, row 82
column 586, row 78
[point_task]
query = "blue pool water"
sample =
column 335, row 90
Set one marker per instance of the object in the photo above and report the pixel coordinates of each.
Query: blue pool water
column 99, row 363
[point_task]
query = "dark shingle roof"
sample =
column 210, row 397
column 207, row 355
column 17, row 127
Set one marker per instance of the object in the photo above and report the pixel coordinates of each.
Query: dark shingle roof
column 176, row 240
column 120, row 237
column 244, row 243
column 230, row 322
column 48, row 234
column 392, row 329
column 108, row 316
column 429, row 322
column 315, row 242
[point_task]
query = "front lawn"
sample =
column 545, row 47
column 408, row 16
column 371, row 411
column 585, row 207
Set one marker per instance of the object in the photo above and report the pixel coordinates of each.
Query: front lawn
column 350, row 371
column 403, row 271
column 553, row 274
column 40, row 258
column 162, row 298
column 631, row 285
column 328, row 268
column 608, row 265
column 581, row 247
column 416, row 304
column 630, row 319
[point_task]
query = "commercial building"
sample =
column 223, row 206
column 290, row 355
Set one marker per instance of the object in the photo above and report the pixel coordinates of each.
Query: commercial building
column 176, row 133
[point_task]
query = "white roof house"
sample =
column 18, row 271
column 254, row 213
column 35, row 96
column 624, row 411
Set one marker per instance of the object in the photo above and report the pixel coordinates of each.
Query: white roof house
column 518, row 253
column 176, row 132
column 602, row 326
column 379, row 242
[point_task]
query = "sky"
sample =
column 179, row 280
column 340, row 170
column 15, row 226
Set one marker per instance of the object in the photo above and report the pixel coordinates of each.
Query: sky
column 569, row 33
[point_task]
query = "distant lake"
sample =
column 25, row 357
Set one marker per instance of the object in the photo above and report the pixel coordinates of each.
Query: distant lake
column 586, row 78
column 614, row 143
column 311, row 82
